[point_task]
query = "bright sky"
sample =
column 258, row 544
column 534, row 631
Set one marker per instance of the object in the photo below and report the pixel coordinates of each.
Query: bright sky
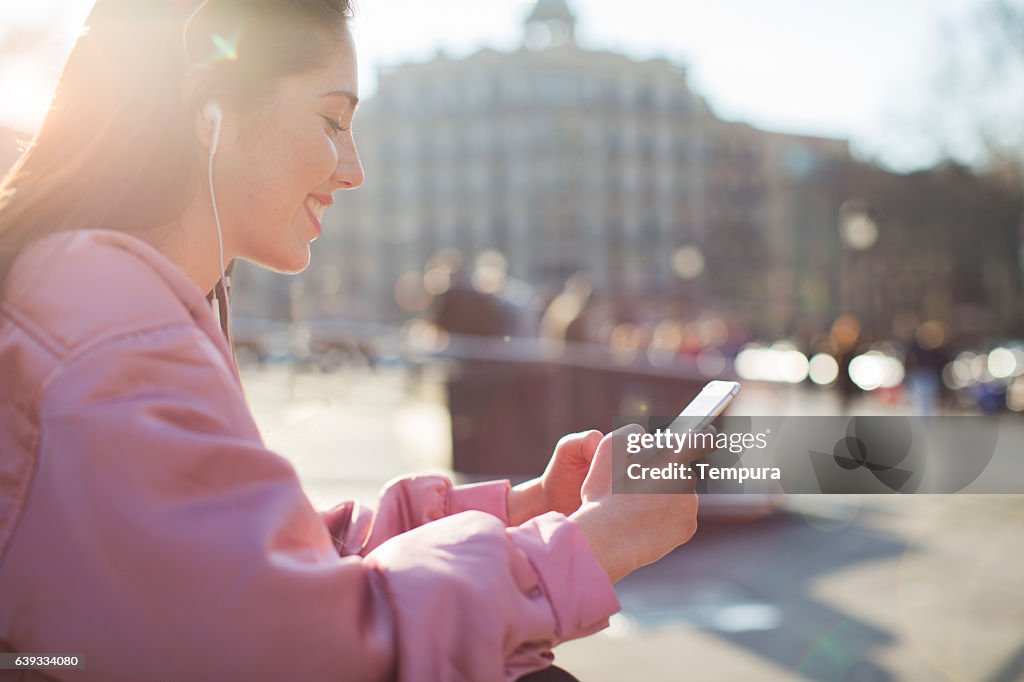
column 827, row 67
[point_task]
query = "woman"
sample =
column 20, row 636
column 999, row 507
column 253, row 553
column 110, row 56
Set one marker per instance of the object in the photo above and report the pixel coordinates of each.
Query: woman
column 144, row 523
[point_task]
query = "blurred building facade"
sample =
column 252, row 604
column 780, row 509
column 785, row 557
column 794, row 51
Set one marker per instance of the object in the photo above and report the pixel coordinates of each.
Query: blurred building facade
column 569, row 160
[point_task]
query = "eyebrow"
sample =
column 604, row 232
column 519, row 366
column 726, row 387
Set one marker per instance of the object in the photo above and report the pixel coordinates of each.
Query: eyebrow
column 343, row 93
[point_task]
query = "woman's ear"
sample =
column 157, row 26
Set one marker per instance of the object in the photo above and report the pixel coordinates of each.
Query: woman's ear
column 207, row 114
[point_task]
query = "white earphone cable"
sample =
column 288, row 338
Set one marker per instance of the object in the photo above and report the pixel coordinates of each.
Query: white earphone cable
column 222, row 290
column 184, row 29
column 216, row 219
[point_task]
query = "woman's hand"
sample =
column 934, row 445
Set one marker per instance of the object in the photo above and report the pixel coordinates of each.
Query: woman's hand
column 627, row 531
column 558, row 488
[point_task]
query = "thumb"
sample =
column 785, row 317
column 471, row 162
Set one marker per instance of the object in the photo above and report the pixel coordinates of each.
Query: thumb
column 578, row 448
column 588, row 445
column 598, row 482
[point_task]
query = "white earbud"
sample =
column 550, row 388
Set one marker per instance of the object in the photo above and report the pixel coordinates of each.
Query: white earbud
column 211, row 113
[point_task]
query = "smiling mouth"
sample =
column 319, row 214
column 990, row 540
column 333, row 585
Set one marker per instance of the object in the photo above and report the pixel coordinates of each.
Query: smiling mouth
column 316, row 205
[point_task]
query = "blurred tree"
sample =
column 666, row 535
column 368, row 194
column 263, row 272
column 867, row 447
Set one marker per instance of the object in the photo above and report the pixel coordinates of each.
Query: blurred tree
column 979, row 97
column 979, row 89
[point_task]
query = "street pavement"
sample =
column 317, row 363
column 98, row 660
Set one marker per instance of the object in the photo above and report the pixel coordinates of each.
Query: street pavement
column 828, row 588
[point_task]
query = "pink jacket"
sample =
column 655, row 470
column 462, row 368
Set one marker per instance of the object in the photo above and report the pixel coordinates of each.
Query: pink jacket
column 144, row 524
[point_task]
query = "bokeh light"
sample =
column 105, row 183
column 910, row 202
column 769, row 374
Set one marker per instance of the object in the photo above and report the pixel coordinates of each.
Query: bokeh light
column 409, row 293
column 823, row 369
column 1002, row 363
column 874, row 370
column 688, row 262
column 780, row 363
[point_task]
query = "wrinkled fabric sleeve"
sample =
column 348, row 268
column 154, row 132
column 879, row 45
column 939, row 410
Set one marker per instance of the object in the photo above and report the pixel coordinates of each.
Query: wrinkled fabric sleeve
column 164, row 541
column 406, row 503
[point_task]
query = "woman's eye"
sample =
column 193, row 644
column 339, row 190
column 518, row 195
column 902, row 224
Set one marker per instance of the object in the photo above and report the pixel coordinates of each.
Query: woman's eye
column 334, row 125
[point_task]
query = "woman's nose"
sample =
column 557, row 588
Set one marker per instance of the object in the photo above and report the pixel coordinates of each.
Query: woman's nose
column 348, row 174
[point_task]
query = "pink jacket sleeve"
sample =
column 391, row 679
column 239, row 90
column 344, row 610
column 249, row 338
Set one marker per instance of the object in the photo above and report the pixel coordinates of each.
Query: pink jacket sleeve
column 162, row 540
column 406, row 503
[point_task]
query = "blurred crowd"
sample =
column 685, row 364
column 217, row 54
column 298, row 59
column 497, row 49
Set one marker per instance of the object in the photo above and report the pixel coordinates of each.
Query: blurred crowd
column 919, row 364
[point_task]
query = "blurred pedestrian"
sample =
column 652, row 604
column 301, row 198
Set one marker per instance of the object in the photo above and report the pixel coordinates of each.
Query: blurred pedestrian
column 564, row 319
column 844, row 338
column 925, row 358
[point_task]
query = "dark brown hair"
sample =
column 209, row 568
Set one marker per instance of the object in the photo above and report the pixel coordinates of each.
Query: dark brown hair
column 117, row 149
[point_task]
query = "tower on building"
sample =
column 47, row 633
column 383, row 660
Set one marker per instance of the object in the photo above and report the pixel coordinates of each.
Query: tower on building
column 550, row 24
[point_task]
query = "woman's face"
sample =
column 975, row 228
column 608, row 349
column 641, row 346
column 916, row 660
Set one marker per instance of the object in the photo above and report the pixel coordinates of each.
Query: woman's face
column 276, row 173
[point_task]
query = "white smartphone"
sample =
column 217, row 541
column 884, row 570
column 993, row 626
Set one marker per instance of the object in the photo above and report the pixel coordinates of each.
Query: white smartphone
column 709, row 403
